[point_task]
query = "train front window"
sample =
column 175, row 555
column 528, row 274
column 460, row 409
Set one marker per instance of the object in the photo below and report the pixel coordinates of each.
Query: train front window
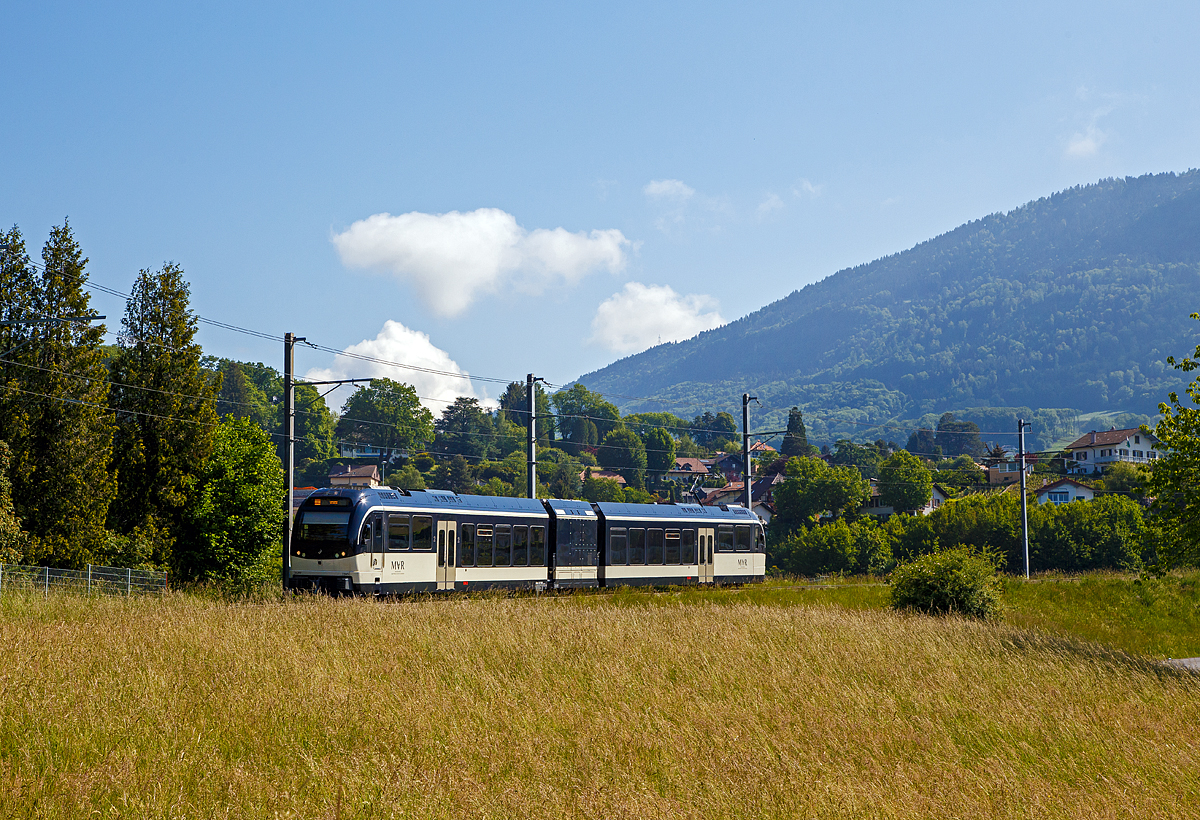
column 322, row 534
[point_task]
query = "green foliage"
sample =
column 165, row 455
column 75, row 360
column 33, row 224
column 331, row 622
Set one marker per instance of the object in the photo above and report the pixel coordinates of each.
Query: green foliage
column 464, row 429
column 643, row 423
column 235, row 524
column 564, row 480
column 904, row 483
column 14, row 541
column 514, row 409
column 795, row 440
column 864, row 459
column 165, row 406
column 957, row 581
column 454, row 474
column 812, row 488
column 1125, row 478
column 960, row 473
column 584, row 418
column 1108, row 533
column 1174, row 480
column 623, row 452
column 407, row 478
column 54, row 408
column 635, row 496
column 686, row 448
column 387, row 414
column 923, row 443
column 860, row 547
column 602, row 489
column 712, row 430
column 660, row 451
column 958, row 438
column 251, row 390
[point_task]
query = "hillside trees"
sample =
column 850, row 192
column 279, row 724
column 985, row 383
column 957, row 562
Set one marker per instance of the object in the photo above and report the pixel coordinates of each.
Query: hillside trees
column 623, row 452
column 584, row 418
column 958, row 438
column 56, row 404
column 464, row 429
column 710, row 428
column 165, row 410
column 316, row 427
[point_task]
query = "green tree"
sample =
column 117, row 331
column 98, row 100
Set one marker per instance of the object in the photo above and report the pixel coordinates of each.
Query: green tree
column 564, row 479
column 812, row 488
column 316, row 427
column 165, row 407
column 960, row 472
column 387, row 414
column 708, row 429
column 464, row 429
column 1174, row 481
column 923, row 443
column 1123, row 477
column 864, row 459
column 904, row 482
column 18, row 288
column 252, row 391
column 660, row 451
column 623, row 452
column 860, row 547
column 514, row 407
column 13, row 539
column 236, row 521
column 584, row 418
column 407, row 477
column 602, row 489
column 454, row 474
column 958, row 438
column 795, row 440
column 62, row 430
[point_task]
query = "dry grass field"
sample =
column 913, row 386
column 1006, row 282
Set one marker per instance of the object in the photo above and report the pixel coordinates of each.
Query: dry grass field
column 182, row 707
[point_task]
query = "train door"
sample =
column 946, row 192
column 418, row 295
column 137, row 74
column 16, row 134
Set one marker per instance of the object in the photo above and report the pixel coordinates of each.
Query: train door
column 376, row 536
column 704, row 555
column 445, row 554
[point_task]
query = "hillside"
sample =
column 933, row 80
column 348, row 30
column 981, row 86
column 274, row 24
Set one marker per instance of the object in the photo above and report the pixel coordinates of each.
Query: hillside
column 1070, row 302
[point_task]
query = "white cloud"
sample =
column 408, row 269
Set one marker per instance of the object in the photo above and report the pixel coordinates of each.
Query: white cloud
column 772, row 202
column 668, row 189
column 1086, row 144
column 449, row 259
column 804, row 187
column 641, row 316
column 397, row 343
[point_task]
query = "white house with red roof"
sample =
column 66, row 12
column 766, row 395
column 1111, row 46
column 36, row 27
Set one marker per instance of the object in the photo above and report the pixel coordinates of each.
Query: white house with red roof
column 1093, row 452
column 1064, row 491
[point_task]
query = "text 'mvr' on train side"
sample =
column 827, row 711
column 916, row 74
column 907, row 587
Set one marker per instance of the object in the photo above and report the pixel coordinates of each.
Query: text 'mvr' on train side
column 400, row 541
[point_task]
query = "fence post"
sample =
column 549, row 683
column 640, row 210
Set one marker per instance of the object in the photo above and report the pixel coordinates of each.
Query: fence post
column 47, row 581
column 128, row 580
column 89, row 587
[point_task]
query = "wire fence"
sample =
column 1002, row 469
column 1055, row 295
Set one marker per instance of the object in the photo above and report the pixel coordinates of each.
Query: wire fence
column 93, row 579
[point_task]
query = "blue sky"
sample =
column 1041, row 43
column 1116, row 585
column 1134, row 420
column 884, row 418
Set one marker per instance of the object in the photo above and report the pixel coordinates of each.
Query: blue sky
column 565, row 184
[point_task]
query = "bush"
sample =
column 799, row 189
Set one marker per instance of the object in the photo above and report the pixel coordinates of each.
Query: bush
column 858, row 548
column 958, row 580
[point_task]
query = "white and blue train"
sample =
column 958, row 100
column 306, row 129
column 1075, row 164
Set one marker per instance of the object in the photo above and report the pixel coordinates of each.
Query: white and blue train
column 400, row 541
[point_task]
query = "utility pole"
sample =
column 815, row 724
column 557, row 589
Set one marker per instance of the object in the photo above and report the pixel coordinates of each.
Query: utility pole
column 531, row 435
column 1021, row 425
column 289, row 446
column 746, row 473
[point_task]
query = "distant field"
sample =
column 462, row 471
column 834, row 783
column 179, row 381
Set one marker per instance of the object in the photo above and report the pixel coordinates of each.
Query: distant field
column 634, row 705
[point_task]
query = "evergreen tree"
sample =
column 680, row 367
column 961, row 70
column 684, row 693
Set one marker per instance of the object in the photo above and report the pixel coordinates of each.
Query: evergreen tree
column 13, row 539
column 795, row 441
column 624, row 453
column 60, row 453
column 17, row 288
column 165, row 405
column 316, row 426
column 923, row 444
column 514, row 407
column 660, row 451
column 959, row 438
column 387, row 414
column 464, row 429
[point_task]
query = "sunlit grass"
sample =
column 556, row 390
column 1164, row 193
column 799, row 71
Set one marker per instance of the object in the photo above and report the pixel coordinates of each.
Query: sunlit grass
column 635, row 705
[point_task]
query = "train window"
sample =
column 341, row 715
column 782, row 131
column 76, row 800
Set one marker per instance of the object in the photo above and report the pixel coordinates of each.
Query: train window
column 520, row 546
column 743, row 538
column 483, row 546
column 710, row 560
column 397, row 532
column 760, row 542
column 637, row 546
column 671, row 547
column 466, row 546
column 654, row 546
column 725, row 538
column 441, row 548
column 318, row 525
column 616, row 546
column 450, row 549
column 377, row 539
column 687, row 547
column 502, row 552
column 537, row 546
column 422, row 533
column 364, row 537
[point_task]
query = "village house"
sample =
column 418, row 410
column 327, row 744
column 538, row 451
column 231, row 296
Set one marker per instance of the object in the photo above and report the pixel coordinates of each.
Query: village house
column 1095, row 451
column 363, row 475
column 595, row 472
column 874, row 507
column 1064, row 491
column 687, row 470
column 1009, row 472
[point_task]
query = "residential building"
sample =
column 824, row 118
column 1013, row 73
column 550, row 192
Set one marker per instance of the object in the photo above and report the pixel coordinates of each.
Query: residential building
column 348, row 449
column 1009, row 472
column 1095, row 451
column 598, row 473
column 937, row 497
column 362, row 475
column 1064, row 491
column 688, row 469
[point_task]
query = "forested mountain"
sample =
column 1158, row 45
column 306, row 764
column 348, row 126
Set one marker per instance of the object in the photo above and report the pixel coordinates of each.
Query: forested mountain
column 1071, row 302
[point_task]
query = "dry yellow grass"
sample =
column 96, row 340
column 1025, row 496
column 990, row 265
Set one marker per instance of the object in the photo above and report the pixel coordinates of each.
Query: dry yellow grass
column 182, row 707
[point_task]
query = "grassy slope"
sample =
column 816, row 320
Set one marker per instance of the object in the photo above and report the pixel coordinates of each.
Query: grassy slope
column 181, row 707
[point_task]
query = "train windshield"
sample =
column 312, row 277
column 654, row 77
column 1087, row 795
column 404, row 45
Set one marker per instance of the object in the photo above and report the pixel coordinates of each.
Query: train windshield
column 322, row 534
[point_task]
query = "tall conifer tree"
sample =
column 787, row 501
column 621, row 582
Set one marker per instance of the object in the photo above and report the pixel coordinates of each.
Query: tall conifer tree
column 60, row 478
column 17, row 286
column 165, row 405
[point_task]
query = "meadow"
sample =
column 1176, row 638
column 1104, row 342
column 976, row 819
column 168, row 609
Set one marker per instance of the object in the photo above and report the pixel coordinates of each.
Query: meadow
column 764, row 702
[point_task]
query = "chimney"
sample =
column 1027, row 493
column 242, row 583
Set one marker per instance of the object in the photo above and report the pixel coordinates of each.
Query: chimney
column 1093, row 437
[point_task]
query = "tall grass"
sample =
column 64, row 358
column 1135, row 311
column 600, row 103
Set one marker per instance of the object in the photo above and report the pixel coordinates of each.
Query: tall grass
column 492, row 707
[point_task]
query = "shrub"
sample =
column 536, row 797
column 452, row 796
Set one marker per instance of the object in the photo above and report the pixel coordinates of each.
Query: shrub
column 860, row 548
column 957, row 580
